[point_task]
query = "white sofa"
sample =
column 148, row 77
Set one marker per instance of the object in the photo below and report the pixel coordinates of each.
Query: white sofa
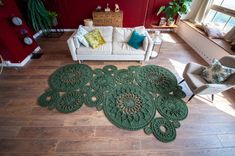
column 115, row 48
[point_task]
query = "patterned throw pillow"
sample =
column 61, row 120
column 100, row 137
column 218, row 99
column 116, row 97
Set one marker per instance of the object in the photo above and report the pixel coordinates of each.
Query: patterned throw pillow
column 94, row 38
column 80, row 35
column 217, row 73
column 136, row 40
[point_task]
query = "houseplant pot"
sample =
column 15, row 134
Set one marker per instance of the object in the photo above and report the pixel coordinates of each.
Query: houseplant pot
column 170, row 21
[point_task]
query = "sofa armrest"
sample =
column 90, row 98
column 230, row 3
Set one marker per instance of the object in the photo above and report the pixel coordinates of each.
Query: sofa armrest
column 72, row 47
column 145, row 44
column 150, row 46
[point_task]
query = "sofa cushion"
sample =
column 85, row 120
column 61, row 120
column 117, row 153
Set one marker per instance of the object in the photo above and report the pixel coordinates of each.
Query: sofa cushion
column 145, row 44
column 80, row 35
column 120, row 48
column 104, row 49
column 124, row 34
column 95, row 38
column 136, row 40
column 106, row 32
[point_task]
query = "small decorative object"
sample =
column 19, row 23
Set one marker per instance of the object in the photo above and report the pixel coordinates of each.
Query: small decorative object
column 107, row 9
column 16, row 21
column 1, row 3
column 28, row 40
column 117, row 9
column 88, row 22
column 162, row 21
column 98, row 8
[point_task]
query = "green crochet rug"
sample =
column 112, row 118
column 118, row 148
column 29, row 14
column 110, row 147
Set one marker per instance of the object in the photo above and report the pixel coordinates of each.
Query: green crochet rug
column 130, row 98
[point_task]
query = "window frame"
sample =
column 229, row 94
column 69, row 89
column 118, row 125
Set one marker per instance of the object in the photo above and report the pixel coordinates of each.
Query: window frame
column 223, row 10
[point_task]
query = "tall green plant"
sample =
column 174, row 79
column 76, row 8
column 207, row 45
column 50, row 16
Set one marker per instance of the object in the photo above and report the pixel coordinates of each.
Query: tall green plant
column 40, row 17
column 175, row 7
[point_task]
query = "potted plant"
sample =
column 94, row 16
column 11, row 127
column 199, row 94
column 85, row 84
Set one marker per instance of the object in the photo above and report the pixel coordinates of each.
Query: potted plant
column 175, row 7
column 40, row 18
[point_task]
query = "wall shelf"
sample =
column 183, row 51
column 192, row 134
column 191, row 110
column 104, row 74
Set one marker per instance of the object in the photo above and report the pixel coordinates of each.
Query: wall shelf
column 163, row 27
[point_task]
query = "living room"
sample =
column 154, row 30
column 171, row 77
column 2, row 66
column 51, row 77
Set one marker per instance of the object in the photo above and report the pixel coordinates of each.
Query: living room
column 116, row 77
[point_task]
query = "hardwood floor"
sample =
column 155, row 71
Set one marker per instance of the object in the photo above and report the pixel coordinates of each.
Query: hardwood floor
column 29, row 130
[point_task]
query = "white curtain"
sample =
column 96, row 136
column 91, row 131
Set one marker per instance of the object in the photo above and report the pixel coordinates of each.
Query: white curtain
column 199, row 10
column 230, row 36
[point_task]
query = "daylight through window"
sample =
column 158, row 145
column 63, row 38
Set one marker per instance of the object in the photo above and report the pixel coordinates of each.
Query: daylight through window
column 222, row 13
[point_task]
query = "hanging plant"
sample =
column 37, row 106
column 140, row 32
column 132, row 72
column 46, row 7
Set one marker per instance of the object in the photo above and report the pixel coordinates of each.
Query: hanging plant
column 40, row 17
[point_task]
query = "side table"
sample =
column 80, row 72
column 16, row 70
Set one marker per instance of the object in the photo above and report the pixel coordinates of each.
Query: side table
column 157, row 43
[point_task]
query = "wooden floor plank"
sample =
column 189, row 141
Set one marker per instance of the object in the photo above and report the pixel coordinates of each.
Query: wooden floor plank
column 26, row 129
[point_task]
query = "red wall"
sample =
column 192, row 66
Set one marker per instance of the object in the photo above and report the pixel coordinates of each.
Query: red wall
column 12, row 47
column 136, row 12
column 73, row 12
column 153, row 7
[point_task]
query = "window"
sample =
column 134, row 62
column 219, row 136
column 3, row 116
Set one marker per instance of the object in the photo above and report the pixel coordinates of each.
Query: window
column 222, row 13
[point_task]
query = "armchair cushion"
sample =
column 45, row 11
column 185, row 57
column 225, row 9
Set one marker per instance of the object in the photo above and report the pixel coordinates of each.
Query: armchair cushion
column 217, row 73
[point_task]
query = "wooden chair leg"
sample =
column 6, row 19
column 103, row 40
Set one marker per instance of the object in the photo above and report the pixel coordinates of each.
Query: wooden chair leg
column 212, row 97
column 181, row 81
column 191, row 97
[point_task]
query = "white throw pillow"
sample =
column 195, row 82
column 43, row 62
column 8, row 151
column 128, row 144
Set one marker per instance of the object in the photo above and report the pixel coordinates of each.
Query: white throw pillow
column 76, row 42
column 213, row 31
column 80, row 35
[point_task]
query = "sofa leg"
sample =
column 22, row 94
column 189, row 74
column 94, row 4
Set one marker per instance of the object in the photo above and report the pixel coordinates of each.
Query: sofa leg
column 212, row 97
column 191, row 98
column 141, row 62
column 181, row 81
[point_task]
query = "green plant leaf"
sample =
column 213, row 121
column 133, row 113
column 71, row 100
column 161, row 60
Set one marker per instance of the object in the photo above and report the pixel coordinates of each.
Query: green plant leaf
column 161, row 9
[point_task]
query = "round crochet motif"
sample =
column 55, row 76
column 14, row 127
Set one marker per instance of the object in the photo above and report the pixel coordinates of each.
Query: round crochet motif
column 109, row 69
column 98, row 71
column 129, row 107
column 134, row 69
column 49, row 99
column 156, row 79
column 163, row 129
column 70, row 102
column 92, row 97
column 70, row 77
column 102, row 82
column 171, row 107
column 124, row 76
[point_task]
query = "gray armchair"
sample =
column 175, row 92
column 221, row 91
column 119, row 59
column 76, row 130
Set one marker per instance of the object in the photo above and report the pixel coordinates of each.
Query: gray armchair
column 192, row 76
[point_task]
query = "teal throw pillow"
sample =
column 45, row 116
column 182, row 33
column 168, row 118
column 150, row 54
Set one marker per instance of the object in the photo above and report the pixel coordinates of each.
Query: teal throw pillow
column 136, row 40
column 217, row 73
